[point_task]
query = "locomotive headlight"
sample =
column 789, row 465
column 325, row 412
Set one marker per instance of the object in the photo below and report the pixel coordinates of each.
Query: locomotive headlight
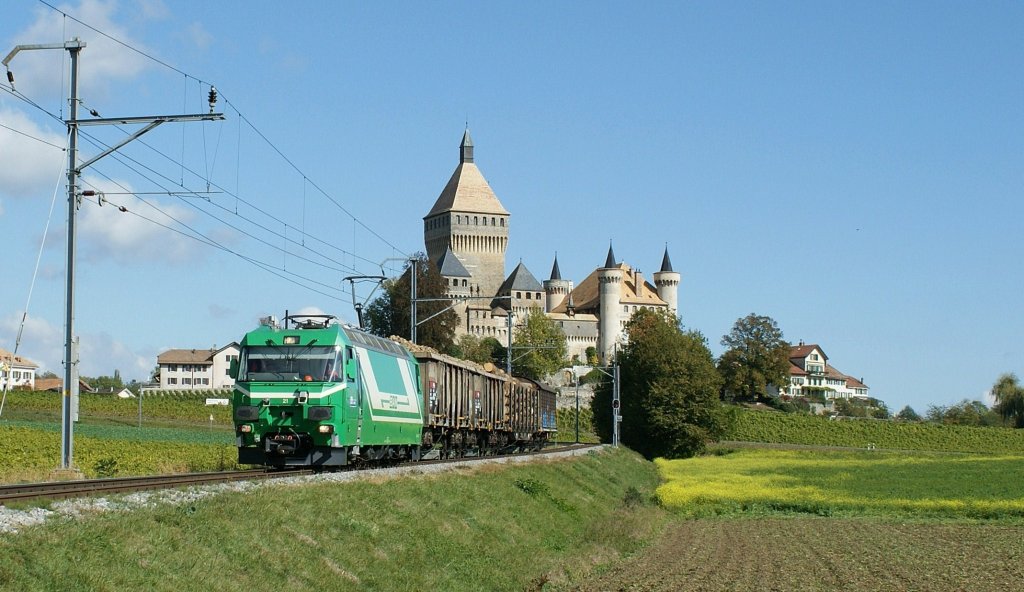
column 245, row 428
column 326, row 429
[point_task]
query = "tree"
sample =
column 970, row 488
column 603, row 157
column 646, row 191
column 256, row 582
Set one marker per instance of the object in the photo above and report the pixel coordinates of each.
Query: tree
column 389, row 313
column 669, row 390
column 758, row 356
column 481, row 351
column 1009, row 397
column 908, row 414
column 966, row 412
column 538, row 348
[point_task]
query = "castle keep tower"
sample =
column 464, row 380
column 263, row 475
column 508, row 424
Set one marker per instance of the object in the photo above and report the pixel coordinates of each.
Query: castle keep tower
column 667, row 282
column 468, row 218
column 610, row 280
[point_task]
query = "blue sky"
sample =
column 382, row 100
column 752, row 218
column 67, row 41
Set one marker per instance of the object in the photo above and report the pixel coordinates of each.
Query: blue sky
column 853, row 170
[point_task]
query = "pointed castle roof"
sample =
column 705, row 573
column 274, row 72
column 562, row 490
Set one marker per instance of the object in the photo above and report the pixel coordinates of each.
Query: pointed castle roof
column 520, row 279
column 666, row 263
column 467, row 190
column 555, row 273
column 610, row 263
column 450, row 266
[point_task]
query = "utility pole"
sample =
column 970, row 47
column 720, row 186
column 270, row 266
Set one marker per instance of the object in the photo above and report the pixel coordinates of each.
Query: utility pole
column 413, row 265
column 74, row 47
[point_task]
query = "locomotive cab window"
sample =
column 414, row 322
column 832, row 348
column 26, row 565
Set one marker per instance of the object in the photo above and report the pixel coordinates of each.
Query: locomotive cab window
column 286, row 363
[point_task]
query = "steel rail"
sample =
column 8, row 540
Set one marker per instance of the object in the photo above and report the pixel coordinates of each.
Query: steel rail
column 86, row 487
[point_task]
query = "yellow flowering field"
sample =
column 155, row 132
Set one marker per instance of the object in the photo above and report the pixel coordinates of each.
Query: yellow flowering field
column 845, row 483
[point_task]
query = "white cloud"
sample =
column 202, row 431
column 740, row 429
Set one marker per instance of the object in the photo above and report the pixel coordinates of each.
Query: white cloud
column 154, row 9
column 198, row 36
column 102, row 60
column 41, row 342
column 133, row 236
column 30, row 168
column 99, row 354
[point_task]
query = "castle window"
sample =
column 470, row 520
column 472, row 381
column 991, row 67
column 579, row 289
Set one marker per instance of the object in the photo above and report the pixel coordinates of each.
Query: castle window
column 463, row 283
column 503, row 222
column 485, row 220
column 625, row 308
column 519, row 294
column 529, row 295
column 458, row 219
column 492, row 221
column 476, row 221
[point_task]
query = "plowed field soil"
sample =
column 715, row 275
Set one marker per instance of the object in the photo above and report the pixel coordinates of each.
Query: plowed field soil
column 822, row 554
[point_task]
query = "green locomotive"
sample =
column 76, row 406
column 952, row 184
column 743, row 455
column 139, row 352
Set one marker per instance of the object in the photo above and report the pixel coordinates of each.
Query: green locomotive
column 320, row 394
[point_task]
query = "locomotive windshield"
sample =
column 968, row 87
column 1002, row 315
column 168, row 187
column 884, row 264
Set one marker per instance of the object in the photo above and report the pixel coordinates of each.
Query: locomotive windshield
column 290, row 363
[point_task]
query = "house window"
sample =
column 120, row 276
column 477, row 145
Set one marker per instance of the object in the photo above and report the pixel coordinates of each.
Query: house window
column 227, row 372
column 172, row 381
column 172, row 368
column 186, row 381
column 814, row 356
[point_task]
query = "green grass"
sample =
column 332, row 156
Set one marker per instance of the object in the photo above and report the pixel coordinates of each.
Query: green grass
column 785, row 428
column 495, row 528
column 880, row 484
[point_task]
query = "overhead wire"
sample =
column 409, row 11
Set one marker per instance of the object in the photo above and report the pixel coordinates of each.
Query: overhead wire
column 241, row 116
column 27, row 135
column 121, row 159
column 32, row 284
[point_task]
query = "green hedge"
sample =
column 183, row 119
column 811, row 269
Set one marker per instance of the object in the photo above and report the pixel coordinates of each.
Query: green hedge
column 784, row 428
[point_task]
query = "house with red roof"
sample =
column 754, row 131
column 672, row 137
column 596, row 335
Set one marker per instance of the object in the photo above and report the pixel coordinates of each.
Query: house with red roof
column 811, row 375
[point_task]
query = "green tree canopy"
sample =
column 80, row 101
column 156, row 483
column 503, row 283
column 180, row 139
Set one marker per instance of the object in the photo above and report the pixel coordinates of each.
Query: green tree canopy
column 481, row 351
column 757, row 356
column 669, row 390
column 389, row 313
column 538, row 348
column 908, row 414
column 1009, row 397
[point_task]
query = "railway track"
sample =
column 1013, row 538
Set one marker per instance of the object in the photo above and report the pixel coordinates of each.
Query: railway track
column 89, row 487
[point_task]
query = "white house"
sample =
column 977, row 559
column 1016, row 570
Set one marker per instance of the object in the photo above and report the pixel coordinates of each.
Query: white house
column 22, row 371
column 197, row 369
column 810, row 374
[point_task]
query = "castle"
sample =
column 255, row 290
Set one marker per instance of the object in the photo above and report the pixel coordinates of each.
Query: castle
column 466, row 234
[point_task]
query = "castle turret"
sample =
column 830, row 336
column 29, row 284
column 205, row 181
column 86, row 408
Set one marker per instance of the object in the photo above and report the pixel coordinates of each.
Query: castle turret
column 609, row 324
column 555, row 289
column 667, row 282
